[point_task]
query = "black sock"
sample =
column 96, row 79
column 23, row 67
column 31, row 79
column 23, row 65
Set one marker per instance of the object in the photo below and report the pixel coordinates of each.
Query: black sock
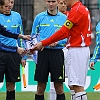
column 10, row 95
column 39, row 97
column 61, row 96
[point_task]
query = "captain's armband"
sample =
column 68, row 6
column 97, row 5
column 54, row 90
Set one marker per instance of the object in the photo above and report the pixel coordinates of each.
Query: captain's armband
column 68, row 24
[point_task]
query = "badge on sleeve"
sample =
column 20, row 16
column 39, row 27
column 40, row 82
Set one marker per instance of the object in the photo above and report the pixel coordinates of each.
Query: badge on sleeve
column 68, row 24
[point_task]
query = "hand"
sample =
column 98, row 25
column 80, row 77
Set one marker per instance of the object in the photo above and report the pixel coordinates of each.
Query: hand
column 38, row 46
column 30, row 51
column 25, row 37
column 53, row 44
column 20, row 50
column 23, row 62
column 92, row 65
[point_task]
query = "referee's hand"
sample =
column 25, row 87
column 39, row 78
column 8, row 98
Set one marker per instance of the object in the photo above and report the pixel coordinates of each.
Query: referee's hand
column 92, row 65
column 21, row 51
column 25, row 37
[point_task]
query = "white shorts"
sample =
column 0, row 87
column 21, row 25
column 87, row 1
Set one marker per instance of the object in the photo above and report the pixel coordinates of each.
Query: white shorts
column 65, row 50
column 77, row 65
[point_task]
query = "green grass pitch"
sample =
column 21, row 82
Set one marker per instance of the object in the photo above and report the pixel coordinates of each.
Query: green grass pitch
column 30, row 95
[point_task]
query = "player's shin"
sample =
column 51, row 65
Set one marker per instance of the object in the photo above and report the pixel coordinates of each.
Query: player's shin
column 39, row 97
column 60, row 96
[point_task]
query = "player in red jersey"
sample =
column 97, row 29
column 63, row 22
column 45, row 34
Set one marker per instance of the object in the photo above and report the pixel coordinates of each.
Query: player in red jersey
column 77, row 29
column 62, row 7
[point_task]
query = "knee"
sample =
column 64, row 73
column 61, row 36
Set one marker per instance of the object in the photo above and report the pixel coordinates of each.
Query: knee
column 78, row 88
column 10, row 86
column 41, row 89
column 59, row 88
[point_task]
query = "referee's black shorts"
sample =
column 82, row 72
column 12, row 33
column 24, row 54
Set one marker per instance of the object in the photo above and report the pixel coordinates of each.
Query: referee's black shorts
column 50, row 61
column 10, row 66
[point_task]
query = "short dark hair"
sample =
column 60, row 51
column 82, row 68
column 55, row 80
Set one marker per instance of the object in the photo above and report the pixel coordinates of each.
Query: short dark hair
column 2, row 2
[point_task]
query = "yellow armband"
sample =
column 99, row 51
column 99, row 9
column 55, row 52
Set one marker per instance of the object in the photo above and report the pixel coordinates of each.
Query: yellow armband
column 68, row 24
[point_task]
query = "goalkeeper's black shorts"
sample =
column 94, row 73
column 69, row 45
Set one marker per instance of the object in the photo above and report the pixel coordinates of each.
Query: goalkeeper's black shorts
column 10, row 66
column 50, row 61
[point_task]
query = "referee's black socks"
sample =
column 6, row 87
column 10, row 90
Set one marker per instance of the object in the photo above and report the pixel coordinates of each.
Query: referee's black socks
column 10, row 95
column 60, row 96
column 39, row 97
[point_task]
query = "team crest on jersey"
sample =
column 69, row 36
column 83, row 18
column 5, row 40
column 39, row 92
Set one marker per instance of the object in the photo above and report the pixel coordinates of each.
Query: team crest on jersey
column 68, row 24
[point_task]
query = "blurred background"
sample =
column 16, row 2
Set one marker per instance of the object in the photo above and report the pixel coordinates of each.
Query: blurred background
column 30, row 8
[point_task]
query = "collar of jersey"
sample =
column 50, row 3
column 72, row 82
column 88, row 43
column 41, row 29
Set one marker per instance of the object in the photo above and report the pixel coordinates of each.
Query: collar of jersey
column 55, row 15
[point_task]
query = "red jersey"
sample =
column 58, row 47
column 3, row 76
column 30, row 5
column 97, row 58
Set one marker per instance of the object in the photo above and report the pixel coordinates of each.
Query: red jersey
column 77, row 28
column 66, row 13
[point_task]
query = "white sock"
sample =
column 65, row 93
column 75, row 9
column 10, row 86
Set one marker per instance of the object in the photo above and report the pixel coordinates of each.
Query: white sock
column 81, row 96
column 72, row 95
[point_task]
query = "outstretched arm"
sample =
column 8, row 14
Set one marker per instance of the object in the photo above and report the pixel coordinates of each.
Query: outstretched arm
column 6, row 33
column 9, row 34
